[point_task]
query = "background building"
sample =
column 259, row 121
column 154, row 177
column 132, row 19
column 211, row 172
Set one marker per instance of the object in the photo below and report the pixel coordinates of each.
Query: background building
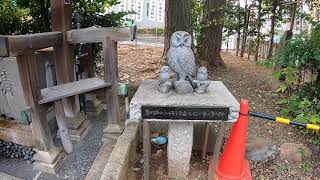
column 149, row 13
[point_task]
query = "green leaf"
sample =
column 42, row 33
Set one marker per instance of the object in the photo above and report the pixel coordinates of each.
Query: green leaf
column 282, row 88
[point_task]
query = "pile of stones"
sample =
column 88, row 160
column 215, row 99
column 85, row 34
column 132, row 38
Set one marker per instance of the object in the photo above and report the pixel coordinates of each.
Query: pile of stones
column 12, row 150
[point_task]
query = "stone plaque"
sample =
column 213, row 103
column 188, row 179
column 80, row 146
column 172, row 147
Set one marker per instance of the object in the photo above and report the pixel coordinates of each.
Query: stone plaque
column 185, row 113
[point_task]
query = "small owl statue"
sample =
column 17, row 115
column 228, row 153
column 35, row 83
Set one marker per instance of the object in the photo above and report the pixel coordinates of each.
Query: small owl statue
column 202, row 74
column 182, row 61
column 164, row 80
column 201, row 81
column 164, row 74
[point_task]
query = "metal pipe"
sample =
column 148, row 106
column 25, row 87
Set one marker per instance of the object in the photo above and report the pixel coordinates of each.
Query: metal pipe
column 285, row 121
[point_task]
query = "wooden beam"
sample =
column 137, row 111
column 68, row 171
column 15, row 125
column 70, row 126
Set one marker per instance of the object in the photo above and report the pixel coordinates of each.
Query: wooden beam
column 72, row 88
column 17, row 45
column 63, row 129
column 94, row 35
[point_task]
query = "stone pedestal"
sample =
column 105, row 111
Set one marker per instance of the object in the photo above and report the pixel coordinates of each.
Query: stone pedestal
column 49, row 161
column 93, row 106
column 180, row 135
column 78, row 127
column 179, row 149
column 111, row 132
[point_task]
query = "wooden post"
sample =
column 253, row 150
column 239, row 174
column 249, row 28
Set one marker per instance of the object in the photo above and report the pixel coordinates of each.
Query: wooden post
column 217, row 148
column 63, row 129
column 146, row 150
column 205, row 144
column 28, row 71
column 64, row 56
column 111, row 75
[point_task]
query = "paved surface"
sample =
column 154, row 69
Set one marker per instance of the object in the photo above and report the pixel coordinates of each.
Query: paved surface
column 147, row 40
column 77, row 164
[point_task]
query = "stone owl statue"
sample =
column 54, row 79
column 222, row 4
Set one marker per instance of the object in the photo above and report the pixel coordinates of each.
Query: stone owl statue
column 182, row 61
column 165, row 83
column 202, row 74
column 180, row 56
column 164, row 74
column 201, row 81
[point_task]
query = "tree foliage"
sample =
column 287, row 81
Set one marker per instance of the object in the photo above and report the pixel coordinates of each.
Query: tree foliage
column 11, row 17
column 33, row 16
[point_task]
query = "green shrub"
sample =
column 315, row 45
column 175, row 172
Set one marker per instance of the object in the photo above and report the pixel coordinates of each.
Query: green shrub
column 300, row 56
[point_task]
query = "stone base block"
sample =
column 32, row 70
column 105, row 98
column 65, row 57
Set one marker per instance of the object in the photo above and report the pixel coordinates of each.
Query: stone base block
column 75, row 122
column 50, row 162
column 179, row 149
column 94, row 109
column 112, row 131
column 81, row 132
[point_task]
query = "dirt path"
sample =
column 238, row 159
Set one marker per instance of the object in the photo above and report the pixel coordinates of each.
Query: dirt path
column 245, row 80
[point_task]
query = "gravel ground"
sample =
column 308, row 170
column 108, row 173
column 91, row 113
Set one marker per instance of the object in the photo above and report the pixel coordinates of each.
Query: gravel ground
column 245, row 80
column 76, row 165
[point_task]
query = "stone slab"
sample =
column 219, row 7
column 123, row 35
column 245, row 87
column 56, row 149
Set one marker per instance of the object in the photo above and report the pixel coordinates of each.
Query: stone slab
column 217, row 95
column 4, row 176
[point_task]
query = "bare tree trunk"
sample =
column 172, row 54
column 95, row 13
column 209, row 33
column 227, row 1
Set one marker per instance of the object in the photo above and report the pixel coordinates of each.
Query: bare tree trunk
column 273, row 22
column 227, row 44
column 258, row 31
column 214, row 12
column 238, row 28
column 245, row 29
column 293, row 15
column 178, row 18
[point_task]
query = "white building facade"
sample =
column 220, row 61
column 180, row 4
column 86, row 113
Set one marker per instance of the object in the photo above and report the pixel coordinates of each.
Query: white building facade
column 149, row 13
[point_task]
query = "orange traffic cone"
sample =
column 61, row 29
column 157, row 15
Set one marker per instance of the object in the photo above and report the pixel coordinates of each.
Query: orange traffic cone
column 232, row 164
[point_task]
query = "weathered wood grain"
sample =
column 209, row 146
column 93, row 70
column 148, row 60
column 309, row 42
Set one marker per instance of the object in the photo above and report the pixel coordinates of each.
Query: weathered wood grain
column 70, row 89
column 63, row 129
column 27, row 66
column 18, row 44
column 94, row 34
column 61, row 20
column 146, row 150
column 110, row 58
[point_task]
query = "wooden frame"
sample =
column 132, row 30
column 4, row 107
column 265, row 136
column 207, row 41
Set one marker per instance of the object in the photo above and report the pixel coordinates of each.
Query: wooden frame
column 17, row 45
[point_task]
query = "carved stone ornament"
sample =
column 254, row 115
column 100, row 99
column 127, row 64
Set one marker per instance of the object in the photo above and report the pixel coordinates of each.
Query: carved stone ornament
column 182, row 61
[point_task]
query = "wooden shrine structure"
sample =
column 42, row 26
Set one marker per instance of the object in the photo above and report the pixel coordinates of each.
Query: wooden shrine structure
column 63, row 96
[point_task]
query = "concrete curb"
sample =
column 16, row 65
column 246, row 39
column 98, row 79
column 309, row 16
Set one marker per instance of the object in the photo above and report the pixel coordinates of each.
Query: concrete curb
column 122, row 154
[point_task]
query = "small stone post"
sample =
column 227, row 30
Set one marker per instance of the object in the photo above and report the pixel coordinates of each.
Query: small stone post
column 179, row 149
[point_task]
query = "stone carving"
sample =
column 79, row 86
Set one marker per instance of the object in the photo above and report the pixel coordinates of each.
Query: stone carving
column 201, row 82
column 165, row 83
column 6, row 83
column 182, row 61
